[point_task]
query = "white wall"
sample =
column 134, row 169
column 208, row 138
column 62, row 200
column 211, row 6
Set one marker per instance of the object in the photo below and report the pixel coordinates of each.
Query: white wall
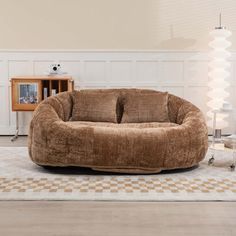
column 181, row 73
column 112, row 24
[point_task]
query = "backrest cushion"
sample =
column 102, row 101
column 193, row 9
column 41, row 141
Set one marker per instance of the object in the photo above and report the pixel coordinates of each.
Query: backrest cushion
column 145, row 107
column 94, row 106
column 119, row 107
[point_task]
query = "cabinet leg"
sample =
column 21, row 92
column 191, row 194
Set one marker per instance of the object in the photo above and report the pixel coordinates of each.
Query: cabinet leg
column 17, row 128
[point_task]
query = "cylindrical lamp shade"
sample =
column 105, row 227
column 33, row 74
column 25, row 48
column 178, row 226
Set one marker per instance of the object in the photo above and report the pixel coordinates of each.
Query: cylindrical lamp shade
column 218, row 74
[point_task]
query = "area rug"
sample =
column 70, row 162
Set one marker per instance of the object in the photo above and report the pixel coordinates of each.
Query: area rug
column 20, row 179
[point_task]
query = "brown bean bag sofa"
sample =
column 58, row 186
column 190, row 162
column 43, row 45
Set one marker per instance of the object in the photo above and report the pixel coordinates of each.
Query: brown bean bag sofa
column 127, row 144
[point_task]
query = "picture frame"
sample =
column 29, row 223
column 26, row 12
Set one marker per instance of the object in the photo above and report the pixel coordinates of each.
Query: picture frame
column 27, row 94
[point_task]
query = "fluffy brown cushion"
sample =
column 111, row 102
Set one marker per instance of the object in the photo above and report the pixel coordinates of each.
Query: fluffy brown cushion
column 146, row 108
column 93, row 106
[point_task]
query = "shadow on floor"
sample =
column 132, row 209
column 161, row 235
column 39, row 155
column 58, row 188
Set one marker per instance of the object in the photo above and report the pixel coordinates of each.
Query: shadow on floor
column 89, row 171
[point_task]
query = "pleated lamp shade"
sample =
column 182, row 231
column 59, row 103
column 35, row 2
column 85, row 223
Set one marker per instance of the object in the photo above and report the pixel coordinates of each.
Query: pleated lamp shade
column 218, row 74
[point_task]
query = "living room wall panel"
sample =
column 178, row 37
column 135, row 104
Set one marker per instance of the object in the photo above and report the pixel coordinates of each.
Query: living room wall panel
column 1, row 68
column 41, row 67
column 147, row 71
column 94, row 71
column 182, row 73
column 176, row 90
column 4, row 119
column 121, row 71
column 19, row 67
column 172, row 71
column 197, row 95
column 74, row 67
column 197, row 72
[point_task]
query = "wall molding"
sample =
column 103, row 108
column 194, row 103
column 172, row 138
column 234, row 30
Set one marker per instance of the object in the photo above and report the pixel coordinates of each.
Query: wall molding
column 105, row 50
column 183, row 73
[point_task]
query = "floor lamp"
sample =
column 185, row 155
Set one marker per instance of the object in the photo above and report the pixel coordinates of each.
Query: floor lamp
column 218, row 73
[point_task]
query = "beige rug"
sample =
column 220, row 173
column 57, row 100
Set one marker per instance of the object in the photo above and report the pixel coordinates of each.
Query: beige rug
column 20, row 179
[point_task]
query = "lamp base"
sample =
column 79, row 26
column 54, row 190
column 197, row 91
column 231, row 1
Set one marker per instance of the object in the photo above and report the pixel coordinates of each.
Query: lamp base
column 217, row 134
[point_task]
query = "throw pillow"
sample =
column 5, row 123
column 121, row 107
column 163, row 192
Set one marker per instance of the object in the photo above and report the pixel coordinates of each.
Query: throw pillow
column 94, row 106
column 151, row 107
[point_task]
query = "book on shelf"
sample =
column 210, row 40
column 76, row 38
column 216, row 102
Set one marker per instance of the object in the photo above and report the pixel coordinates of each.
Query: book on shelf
column 53, row 92
column 45, row 93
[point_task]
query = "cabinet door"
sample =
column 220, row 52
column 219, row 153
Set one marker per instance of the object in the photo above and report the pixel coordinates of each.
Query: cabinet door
column 26, row 94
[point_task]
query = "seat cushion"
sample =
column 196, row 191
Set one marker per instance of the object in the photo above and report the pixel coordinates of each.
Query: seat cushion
column 150, row 107
column 93, row 106
column 122, row 125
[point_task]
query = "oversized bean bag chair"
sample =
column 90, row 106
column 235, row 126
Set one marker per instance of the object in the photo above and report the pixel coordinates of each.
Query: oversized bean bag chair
column 118, row 130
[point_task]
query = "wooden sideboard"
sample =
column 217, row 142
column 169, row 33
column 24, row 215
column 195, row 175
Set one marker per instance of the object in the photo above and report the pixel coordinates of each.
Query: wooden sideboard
column 28, row 91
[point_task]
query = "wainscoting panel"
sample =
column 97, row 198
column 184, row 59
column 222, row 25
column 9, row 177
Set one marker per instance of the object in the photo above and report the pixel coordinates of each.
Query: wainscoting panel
column 184, row 74
column 172, row 72
column 94, row 72
column 4, row 117
column 147, row 71
column 176, row 90
column 40, row 67
column 196, row 72
column 18, row 67
column 120, row 71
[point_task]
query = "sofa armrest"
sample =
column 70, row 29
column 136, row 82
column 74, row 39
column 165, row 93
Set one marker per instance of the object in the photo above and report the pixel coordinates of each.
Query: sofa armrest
column 57, row 108
column 43, row 118
column 189, row 114
column 62, row 104
column 192, row 122
column 189, row 139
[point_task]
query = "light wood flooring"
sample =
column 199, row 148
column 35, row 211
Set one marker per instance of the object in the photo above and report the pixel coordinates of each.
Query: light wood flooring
column 117, row 218
column 5, row 141
column 69, row 218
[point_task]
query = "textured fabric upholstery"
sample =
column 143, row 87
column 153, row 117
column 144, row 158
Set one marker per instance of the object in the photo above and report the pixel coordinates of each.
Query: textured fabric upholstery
column 150, row 107
column 54, row 140
column 93, row 106
column 122, row 125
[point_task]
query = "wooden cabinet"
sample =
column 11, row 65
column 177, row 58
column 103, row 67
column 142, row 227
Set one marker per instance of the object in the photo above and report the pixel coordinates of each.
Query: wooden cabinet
column 29, row 91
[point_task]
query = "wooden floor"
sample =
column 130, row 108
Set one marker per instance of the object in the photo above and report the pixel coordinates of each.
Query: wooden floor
column 69, row 218
column 116, row 218
column 5, row 141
